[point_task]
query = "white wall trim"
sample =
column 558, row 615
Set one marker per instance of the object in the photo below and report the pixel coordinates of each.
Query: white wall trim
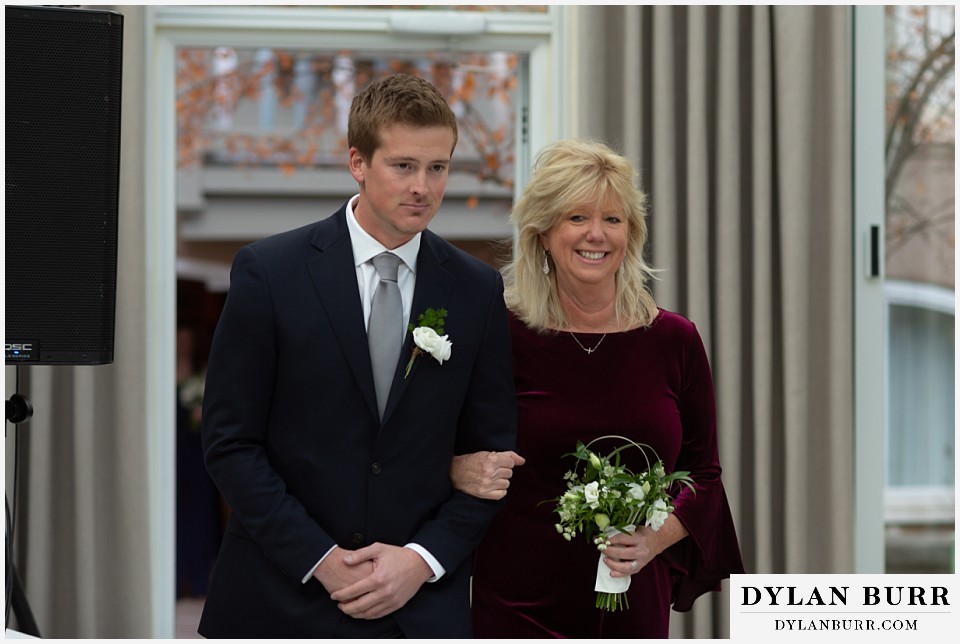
column 926, row 505
column 868, row 327
column 292, row 19
column 160, row 231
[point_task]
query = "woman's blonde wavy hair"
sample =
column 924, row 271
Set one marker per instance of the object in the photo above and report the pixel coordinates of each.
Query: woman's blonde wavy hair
column 568, row 175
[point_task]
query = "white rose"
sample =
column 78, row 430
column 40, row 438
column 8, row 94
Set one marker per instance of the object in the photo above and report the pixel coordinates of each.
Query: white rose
column 636, row 491
column 658, row 515
column 591, row 492
column 436, row 345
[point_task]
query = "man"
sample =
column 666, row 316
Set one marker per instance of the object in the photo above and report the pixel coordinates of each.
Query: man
column 344, row 522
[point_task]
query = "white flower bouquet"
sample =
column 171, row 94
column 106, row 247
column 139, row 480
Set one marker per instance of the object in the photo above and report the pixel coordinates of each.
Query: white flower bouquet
column 606, row 497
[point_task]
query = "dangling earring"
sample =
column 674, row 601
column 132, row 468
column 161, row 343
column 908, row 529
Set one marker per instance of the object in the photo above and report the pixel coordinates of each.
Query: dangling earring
column 546, row 264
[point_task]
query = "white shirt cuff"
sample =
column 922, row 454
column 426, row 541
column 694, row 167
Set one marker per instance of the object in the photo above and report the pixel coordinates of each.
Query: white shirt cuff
column 435, row 566
column 310, row 573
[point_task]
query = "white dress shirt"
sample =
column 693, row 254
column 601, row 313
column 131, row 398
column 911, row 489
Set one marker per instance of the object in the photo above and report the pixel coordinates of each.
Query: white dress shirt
column 365, row 248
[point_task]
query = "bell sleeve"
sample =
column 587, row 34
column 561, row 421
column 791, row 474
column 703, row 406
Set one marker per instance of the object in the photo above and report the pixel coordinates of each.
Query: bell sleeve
column 711, row 552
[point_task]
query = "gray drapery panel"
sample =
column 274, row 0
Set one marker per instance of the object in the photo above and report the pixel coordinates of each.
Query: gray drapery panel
column 83, row 529
column 739, row 120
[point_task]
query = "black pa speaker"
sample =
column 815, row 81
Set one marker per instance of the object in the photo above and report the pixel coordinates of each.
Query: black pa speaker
column 63, row 77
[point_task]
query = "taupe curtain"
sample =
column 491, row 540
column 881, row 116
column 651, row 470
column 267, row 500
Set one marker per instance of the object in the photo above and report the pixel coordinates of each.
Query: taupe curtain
column 83, row 528
column 740, row 120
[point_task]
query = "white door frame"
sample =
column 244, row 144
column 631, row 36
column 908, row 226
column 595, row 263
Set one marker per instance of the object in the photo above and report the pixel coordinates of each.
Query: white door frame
column 542, row 37
column 868, row 276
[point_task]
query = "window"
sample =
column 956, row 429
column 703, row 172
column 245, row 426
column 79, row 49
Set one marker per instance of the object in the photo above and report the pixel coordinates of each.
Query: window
column 289, row 109
column 920, row 289
column 264, row 124
column 263, row 95
column 921, row 442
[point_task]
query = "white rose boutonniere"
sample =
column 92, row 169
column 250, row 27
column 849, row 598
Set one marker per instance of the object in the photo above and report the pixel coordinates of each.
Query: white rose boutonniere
column 429, row 338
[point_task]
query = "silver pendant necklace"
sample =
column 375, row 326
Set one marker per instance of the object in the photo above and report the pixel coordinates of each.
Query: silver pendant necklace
column 588, row 350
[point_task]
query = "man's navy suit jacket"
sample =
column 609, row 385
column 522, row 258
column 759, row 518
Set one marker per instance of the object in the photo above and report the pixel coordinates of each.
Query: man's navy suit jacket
column 293, row 439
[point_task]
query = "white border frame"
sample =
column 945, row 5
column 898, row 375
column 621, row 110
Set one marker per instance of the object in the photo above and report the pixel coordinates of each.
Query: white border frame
column 542, row 37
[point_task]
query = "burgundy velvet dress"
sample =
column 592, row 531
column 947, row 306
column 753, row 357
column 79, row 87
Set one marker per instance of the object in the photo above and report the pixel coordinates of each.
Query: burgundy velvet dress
column 652, row 385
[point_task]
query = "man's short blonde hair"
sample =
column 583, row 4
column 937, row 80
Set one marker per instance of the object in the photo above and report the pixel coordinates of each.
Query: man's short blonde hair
column 400, row 99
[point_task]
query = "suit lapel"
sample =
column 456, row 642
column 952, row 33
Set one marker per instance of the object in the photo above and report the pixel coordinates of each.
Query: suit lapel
column 434, row 284
column 334, row 274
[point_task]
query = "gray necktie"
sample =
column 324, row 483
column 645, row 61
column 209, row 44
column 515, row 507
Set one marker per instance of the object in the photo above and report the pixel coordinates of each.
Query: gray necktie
column 385, row 332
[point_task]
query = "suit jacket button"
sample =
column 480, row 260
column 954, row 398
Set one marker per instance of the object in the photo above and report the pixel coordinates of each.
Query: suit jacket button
column 375, row 468
column 356, row 538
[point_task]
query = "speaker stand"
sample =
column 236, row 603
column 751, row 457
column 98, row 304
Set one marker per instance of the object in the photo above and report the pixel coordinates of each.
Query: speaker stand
column 19, row 410
column 26, row 623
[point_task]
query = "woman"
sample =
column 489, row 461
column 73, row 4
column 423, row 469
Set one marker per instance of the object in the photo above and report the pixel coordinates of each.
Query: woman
column 594, row 356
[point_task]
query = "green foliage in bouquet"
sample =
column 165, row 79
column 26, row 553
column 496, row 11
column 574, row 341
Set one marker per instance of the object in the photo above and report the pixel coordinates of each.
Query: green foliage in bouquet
column 604, row 493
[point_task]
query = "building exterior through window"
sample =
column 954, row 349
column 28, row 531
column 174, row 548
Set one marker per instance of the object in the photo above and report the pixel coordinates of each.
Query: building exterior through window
column 920, row 288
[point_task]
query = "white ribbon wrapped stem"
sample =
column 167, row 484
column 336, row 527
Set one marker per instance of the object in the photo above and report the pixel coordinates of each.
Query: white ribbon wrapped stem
column 606, row 583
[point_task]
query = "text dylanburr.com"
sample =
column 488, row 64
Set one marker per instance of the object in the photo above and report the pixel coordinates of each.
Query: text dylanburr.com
column 844, row 607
